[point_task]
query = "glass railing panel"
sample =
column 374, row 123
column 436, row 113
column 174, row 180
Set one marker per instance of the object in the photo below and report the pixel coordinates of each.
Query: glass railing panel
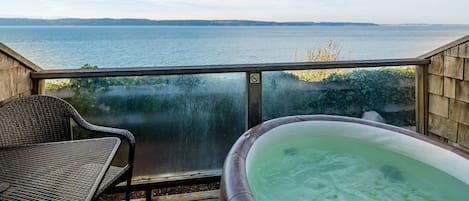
column 181, row 122
column 384, row 94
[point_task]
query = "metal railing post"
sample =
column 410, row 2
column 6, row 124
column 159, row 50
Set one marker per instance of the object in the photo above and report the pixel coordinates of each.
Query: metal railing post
column 253, row 98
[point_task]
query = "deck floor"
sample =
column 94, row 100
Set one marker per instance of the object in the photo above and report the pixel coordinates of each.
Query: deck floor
column 212, row 195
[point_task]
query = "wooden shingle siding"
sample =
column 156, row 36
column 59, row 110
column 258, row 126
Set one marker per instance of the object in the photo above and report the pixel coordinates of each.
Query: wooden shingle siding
column 436, row 66
column 435, row 84
column 466, row 69
column 443, row 127
column 458, row 111
column 449, row 87
column 448, row 110
column 454, row 51
column 438, row 105
column 462, row 91
column 454, row 67
column 15, row 72
column 463, row 50
column 463, row 137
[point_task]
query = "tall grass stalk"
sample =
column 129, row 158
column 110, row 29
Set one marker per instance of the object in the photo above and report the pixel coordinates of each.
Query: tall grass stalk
column 330, row 52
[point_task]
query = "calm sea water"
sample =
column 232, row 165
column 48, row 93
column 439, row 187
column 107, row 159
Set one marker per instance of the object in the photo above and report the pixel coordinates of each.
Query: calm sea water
column 73, row 46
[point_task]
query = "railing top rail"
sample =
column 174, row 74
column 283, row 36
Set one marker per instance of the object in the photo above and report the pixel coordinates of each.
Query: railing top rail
column 229, row 68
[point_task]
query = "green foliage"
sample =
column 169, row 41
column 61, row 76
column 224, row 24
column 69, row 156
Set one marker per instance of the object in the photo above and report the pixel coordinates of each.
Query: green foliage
column 348, row 94
column 87, row 91
column 58, row 84
column 187, row 82
column 371, row 89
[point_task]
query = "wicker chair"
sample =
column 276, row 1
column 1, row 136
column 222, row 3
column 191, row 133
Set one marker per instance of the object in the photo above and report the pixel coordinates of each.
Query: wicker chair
column 40, row 119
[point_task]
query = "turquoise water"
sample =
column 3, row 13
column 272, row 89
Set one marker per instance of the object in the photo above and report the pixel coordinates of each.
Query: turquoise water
column 332, row 168
column 135, row 46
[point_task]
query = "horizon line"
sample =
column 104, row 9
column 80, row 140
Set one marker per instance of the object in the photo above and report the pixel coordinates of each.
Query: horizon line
column 195, row 19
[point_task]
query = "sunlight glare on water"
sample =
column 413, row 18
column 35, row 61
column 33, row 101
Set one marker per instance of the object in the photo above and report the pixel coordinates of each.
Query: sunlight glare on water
column 333, row 168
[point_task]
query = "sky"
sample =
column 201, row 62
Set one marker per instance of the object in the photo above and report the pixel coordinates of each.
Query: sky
column 376, row 11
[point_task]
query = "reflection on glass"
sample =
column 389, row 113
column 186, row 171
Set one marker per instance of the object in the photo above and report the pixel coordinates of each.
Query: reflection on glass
column 181, row 122
column 383, row 94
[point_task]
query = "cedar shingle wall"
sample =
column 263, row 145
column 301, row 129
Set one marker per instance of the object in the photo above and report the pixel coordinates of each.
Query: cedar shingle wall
column 14, row 77
column 448, row 99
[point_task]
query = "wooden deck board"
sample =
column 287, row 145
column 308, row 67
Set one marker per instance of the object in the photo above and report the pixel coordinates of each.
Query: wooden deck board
column 212, row 195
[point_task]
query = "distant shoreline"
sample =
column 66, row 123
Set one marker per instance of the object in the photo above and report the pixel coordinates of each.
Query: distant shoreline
column 147, row 22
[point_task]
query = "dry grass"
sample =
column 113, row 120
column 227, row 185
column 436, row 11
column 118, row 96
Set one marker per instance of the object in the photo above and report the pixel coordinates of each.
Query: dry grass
column 330, row 52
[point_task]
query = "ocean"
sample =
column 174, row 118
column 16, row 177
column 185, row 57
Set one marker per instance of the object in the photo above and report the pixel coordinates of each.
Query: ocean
column 58, row 47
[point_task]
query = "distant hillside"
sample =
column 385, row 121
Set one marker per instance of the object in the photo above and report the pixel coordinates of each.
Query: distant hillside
column 146, row 22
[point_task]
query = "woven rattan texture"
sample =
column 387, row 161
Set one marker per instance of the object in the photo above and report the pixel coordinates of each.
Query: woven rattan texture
column 36, row 119
column 54, row 171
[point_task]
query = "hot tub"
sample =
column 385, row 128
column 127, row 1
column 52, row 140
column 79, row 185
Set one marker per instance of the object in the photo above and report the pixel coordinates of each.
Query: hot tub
column 323, row 157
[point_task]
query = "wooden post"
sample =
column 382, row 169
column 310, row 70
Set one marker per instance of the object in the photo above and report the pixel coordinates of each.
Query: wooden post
column 39, row 86
column 253, row 98
column 421, row 98
column 35, row 88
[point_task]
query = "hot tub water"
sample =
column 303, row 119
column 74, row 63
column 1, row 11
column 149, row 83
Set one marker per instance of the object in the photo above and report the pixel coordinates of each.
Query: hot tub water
column 339, row 168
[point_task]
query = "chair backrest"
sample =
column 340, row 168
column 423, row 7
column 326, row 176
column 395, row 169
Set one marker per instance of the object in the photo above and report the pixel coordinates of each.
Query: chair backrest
column 35, row 119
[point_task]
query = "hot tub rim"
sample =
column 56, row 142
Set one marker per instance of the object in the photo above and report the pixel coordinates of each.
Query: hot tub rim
column 234, row 185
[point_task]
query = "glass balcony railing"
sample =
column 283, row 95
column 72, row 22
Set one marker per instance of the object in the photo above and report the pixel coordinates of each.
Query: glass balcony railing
column 186, row 118
column 383, row 94
column 182, row 122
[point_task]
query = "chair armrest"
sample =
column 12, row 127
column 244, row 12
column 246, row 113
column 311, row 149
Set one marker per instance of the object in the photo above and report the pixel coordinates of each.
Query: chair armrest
column 127, row 135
